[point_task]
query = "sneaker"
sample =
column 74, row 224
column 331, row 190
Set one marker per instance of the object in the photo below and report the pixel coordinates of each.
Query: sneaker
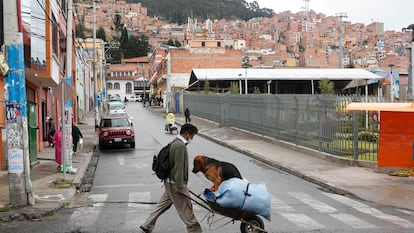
column 144, row 230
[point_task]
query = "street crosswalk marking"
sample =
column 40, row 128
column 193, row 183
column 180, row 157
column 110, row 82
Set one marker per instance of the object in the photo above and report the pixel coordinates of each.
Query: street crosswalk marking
column 314, row 203
column 303, row 221
column 121, row 160
column 98, row 200
column 280, row 206
column 138, row 209
column 352, row 221
column 371, row 211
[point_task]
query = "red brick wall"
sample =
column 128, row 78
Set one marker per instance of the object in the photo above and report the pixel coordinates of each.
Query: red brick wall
column 183, row 61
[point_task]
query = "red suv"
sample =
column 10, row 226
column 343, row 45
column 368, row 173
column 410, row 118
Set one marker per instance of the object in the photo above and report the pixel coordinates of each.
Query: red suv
column 116, row 130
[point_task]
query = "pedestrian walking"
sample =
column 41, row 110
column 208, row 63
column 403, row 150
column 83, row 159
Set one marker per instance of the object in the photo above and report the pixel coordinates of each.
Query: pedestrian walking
column 76, row 136
column 57, row 142
column 51, row 131
column 187, row 115
column 176, row 183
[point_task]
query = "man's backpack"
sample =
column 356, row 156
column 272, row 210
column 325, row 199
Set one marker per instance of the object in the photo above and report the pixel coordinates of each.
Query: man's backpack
column 161, row 163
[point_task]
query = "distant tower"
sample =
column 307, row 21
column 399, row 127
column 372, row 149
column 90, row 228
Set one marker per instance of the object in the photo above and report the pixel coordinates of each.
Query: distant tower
column 341, row 39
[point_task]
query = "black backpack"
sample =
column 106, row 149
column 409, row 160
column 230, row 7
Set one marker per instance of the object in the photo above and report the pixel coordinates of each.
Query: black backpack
column 161, row 163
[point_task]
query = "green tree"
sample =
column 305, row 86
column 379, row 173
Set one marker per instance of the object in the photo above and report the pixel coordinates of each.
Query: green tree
column 170, row 42
column 101, row 34
column 80, row 31
column 234, row 88
column 134, row 46
column 143, row 46
column 206, row 86
column 177, row 43
column 326, row 86
column 118, row 22
column 124, row 38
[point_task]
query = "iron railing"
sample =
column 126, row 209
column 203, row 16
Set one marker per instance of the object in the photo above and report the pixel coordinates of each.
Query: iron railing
column 320, row 122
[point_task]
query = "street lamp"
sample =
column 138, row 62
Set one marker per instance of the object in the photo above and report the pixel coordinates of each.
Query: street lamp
column 268, row 86
column 245, row 80
column 240, row 84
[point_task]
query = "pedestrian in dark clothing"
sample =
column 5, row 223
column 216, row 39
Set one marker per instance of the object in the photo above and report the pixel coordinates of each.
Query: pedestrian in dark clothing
column 187, row 115
column 176, row 183
column 51, row 132
column 76, row 135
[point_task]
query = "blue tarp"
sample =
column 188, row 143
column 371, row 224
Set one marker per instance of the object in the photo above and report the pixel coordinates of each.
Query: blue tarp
column 240, row 194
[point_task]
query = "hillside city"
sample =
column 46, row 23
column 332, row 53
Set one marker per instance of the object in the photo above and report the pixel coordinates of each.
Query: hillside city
column 303, row 39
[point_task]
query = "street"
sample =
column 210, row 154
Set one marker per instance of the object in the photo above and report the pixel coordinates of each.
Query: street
column 125, row 191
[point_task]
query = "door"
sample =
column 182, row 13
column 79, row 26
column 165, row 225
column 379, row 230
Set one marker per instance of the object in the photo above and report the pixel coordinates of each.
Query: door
column 32, row 130
column 177, row 102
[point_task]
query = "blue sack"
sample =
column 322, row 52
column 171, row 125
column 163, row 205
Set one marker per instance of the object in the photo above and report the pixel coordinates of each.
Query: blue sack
column 240, row 194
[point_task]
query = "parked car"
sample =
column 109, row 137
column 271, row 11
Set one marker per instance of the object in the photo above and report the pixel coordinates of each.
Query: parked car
column 116, row 129
column 115, row 107
column 136, row 98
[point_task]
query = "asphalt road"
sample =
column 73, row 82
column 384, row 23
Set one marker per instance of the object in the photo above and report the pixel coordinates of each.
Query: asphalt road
column 124, row 192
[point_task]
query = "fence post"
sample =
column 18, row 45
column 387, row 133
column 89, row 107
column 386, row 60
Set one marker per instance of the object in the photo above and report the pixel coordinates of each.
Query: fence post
column 278, row 104
column 224, row 110
column 355, row 131
column 320, row 123
column 296, row 120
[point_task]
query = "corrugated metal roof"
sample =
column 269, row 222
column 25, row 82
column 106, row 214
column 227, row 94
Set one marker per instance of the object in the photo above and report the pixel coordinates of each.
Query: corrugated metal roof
column 285, row 74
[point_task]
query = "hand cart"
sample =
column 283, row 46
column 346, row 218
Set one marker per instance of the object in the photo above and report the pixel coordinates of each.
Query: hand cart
column 250, row 222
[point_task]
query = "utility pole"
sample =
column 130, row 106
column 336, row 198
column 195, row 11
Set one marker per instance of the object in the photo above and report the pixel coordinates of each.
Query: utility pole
column 20, row 186
column 95, row 79
column 67, row 105
column 341, row 39
column 410, row 89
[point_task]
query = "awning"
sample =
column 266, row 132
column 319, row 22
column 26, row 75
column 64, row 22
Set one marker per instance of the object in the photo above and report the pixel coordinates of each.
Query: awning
column 391, row 107
column 359, row 83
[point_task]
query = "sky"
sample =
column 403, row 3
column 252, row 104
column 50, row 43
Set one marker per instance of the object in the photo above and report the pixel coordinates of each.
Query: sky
column 395, row 14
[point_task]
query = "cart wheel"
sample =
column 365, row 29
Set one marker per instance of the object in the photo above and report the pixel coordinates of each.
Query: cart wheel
column 252, row 221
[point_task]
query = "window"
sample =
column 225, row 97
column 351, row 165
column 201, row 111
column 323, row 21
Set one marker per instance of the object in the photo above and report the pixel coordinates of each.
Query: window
column 218, row 44
column 128, row 88
column 203, row 44
column 109, row 86
column 55, row 35
column 117, row 86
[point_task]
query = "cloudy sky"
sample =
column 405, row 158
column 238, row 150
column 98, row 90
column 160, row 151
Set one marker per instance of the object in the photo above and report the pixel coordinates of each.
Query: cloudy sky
column 395, row 14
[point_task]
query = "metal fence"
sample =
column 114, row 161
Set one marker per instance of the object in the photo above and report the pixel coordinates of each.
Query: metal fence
column 320, row 122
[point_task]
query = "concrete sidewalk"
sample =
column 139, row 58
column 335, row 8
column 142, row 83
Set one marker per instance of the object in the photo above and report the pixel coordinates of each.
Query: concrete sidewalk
column 50, row 195
column 343, row 176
